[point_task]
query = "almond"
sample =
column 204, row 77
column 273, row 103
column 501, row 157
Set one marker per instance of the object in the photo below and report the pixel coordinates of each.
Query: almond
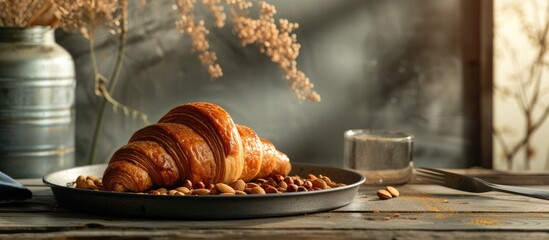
column 214, row 191
column 224, row 188
column 393, row 191
column 188, row 184
column 384, row 194
column 272, row 182
column 162, row 190
column 282, row 184
column 200, row 191
column 292, row 188
column 319, row 183
column 239, row 192
column 91, row 185
column 329, row 181
column 257, row 190
column 252, row 185
column 332, row 184
column 172, row 192
column 238, row 185
column 278, row 178
column 183, row 190
column 308, row 184
column 271, row 189
column 98, row 182
column 199, row 185
column 289, row 180
column 93, row 178
column 81, row 182
column 311, row 176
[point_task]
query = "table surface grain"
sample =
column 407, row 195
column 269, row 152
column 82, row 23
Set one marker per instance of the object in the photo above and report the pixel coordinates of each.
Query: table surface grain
column 421, row 212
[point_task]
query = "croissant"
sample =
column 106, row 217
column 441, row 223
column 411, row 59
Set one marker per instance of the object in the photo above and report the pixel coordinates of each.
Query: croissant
column 197, row 142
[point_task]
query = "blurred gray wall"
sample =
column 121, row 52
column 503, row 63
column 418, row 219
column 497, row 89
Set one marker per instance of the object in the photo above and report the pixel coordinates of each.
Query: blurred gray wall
column 393, row 64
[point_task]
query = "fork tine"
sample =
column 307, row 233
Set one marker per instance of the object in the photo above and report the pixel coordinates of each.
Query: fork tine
column 429, row 179
column 426, row 172
column 434, row 170
column 483, row 182
column 457, row 181
column 426, row 176
column 445, row 173
column 429, row 170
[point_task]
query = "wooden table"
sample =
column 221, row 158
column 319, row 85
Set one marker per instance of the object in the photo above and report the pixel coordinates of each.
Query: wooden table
column 421, row 212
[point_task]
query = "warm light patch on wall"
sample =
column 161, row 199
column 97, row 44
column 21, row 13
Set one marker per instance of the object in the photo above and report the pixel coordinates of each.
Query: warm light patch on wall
column 521, row 84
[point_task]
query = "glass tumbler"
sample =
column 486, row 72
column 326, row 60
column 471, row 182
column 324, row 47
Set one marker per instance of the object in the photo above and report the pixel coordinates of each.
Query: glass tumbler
column 383, row 157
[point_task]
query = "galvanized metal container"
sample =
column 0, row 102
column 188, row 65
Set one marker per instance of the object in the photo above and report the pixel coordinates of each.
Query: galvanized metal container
column 37, row 86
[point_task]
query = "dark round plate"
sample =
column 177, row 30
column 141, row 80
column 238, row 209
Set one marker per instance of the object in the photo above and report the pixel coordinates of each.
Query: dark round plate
column 204, row 207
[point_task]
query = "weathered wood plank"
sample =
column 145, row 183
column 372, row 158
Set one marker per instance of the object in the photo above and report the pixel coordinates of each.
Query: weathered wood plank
column 24, row 222
column 433, row 198
column 315, row 234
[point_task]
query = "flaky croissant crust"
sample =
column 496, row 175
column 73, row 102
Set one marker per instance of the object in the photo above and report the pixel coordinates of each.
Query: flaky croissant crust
column 195, row 141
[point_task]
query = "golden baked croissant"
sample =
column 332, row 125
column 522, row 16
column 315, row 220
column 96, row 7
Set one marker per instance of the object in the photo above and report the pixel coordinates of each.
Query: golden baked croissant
column 198, row 142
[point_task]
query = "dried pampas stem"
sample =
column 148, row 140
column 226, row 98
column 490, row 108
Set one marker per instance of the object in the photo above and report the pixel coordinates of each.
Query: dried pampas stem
column 107, row 92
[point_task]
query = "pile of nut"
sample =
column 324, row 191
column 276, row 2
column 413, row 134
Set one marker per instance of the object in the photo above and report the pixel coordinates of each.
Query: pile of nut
column 89, row 182
column 275, row 184
column 387, row 193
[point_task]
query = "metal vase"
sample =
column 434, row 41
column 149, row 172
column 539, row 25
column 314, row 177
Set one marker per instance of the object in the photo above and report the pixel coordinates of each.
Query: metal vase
column 37, row 85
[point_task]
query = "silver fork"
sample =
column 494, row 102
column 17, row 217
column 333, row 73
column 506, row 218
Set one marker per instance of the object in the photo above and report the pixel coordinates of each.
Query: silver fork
column 473, row 184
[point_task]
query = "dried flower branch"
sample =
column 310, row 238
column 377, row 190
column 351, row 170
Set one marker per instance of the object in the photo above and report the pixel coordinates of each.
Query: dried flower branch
column 217, row 11
column 240, row 4
column 16, row 13
column 88, row 16
column 102, row 90
column 198, row 32
column 47, row 15
column 101, row 81
column 278, row 42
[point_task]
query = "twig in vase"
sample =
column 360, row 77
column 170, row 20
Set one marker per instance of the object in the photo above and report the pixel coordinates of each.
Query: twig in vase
column 106, row 92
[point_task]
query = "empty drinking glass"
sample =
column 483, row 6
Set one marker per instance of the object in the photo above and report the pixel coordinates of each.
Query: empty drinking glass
column 383, row 157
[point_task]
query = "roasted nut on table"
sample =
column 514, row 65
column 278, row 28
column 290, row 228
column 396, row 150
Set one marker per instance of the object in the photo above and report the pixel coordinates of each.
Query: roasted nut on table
column 384, row 194
column 394, row 192
column 388, row 193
